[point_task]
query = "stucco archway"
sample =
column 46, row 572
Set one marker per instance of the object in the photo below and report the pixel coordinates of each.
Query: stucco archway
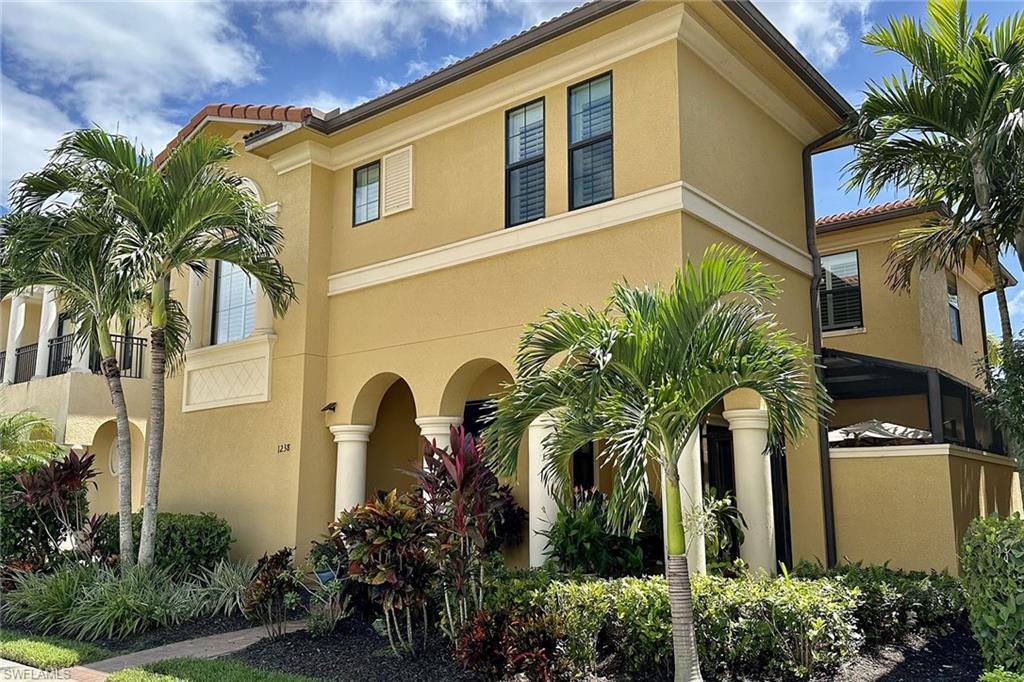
column 103, row 498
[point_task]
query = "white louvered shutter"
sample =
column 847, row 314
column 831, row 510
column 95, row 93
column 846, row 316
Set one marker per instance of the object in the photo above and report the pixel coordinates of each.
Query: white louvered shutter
column 397, row 186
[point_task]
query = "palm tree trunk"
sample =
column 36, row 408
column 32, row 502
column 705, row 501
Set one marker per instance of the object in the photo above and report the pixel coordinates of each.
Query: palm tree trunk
column 680, row 594
column 147, row 539
column 112, row 373
column 983, row 195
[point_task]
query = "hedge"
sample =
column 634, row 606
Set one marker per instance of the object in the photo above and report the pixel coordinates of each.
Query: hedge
column 185, row 543
column 992, row 569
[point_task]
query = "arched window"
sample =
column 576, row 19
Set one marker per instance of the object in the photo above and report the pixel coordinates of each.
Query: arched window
column 234, row 297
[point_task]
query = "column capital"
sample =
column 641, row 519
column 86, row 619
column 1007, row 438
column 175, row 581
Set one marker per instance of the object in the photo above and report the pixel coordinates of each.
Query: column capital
column 437, row 425
column 351, row 433
column 746, row 418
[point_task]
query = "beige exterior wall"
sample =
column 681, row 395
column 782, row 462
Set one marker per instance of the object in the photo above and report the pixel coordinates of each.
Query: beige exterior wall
column 683, row 134
column 911, row 505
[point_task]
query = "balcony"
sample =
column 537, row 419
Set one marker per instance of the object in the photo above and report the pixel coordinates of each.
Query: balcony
column 129, row 351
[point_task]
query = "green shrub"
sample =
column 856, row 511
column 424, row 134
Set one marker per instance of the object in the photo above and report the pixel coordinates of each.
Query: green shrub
column 992, row 570
column 643, row 625
column 47, row 653
column 582, row 610
column 893, row 602
column 517, row 591
column 273, row 592
column 185, row 543
column 43, row 601
column 221, row 590
column 1000, row 675
column 126, row 601
column 579, row 540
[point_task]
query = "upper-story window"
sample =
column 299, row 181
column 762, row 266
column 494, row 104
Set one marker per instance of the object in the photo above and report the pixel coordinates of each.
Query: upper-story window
column 840, row 292
column 366, row 193
column 234, row 304
column 524, row 163
column 954, row 308
column 590, row 142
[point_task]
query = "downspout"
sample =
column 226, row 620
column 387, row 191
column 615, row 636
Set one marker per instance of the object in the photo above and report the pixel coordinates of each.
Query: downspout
column 827, row 504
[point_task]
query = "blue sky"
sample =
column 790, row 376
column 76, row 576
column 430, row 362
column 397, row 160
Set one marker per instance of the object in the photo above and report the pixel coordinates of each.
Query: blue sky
column 146, row 67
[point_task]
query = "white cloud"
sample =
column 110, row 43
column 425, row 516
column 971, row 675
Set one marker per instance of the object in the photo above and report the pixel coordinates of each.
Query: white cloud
column 821, row 29
column 1016, row 305
column 419, row 68
column 383, row 85
column 119, row 66
column 29, row 125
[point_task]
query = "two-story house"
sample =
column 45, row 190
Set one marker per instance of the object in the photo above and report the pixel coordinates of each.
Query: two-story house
column 910, row 359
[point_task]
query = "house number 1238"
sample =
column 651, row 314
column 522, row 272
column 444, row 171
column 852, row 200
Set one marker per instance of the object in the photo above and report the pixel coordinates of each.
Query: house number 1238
column 284, row 447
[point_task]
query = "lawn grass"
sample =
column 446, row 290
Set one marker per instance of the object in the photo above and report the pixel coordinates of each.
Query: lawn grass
column 48, row 653
column 202, row 670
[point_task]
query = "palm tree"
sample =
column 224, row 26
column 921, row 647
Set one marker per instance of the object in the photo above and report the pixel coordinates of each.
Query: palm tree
column 174, row 218
column 67, row 247
column 27, row 437
column 944, row 130
column 641, row 374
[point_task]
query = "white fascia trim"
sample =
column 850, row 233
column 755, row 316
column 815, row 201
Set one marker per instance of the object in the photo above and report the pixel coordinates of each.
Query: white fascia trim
column 927, row 450
column 676, row 196
column 843, row 332
column 719, row 56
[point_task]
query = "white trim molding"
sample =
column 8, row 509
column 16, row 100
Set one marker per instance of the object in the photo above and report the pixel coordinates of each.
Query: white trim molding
column 673, row 197
column 843, row 332
column 925, row 450
column 236, row 373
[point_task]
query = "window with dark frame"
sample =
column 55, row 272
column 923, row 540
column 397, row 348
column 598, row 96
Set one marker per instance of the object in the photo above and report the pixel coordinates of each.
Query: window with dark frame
column 234, row 304
column 955, row 331
column 590, row 142
column 366, row 193
column 840, row 299
column 524, row 163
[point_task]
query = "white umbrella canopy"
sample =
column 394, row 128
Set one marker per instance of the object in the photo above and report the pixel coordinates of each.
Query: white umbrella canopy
column 877, row 432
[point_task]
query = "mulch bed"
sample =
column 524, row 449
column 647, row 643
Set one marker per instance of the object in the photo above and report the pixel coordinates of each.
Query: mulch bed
column 950, row 657
column 354, row 652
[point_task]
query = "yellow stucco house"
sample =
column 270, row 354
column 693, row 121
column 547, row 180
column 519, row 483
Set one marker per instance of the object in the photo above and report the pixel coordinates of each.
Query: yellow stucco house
column 428, row 226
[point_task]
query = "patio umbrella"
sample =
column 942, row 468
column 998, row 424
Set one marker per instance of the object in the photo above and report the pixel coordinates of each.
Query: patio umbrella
column 877, row 432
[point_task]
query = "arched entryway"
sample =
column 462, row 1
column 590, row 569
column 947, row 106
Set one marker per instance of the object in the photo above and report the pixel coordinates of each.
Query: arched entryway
column 103, row 498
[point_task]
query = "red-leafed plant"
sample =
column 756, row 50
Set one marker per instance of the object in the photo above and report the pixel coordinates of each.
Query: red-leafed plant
column 57, row 489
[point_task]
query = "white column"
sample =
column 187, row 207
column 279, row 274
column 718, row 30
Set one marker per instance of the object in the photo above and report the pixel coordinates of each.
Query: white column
column 264, row 322
column 194, row 310
column 749, row 428
column 438, row 429
column 543, row 509
column 15, row 327
column 79, row 358
column 47, row 330
column 691, row 494
column 350, row 476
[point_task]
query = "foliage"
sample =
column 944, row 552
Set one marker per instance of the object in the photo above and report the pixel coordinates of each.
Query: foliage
column 993, row 573
column 128, row 600
column 221, row 590
column 186, row 543
column 723, row 530
column 642, row 621
column 273, row 592
column 500, row 645
column 506, row 519
column 328, row 554
column 47, row 653
column 891, row 602
column 1004, row 401
column 57, row 490
column 581, row 610
column 387, row 541
column 1001, row 675
column 43, row 601
column 27, row 437
column 579, row 540
column 517, row 591
column 202, row 670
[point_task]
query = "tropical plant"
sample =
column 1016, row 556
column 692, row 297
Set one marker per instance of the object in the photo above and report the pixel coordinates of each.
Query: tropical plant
column 48, row 241
column 154, row 221
column 220, row 590
column 387, row 541
column 186, row 543
column 57, row 490
column 42, row 601
column 273, row 592
column 579, row 540
column 26, row 436
column 641, row 374
column 1004, row 400
column 949, row 130
column 724, row 528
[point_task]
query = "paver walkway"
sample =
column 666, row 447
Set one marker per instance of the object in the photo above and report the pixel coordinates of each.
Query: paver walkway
column 203, row 647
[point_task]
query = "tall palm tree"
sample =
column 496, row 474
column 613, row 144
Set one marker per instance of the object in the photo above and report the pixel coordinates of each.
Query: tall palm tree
column 641, row 374
column 176, row 218
column 943, row 129
column 67, row 247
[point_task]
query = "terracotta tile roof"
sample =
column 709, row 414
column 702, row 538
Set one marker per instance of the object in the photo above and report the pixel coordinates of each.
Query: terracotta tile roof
column 268, row 113
column 879, row 211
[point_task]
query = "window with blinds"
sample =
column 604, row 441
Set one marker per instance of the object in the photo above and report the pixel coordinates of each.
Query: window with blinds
column 590, row 142
column 366, row 193
column 953, row 298
column 840, row 292
column 234, row 304
column 524, row 163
